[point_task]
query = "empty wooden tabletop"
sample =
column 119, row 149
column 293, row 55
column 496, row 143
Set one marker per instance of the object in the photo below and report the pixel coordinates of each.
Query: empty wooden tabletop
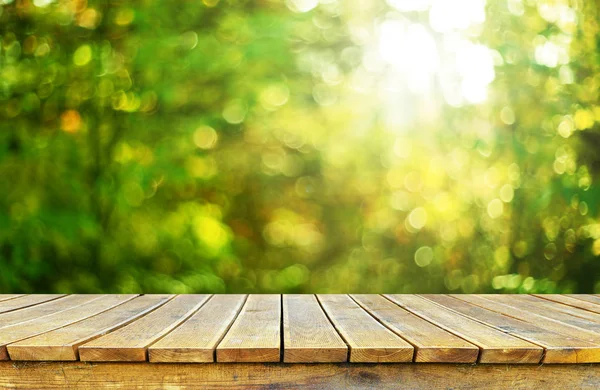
column 362, row 328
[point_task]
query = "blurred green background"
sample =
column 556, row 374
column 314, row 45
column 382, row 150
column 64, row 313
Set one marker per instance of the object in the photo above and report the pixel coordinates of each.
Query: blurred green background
column 299, row 146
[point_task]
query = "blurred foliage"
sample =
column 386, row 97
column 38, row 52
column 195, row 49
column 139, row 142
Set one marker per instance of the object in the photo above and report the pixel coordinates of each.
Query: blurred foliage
column 305, row 146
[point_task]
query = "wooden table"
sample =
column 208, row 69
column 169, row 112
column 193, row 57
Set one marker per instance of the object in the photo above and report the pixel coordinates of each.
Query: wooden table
column 322, row 341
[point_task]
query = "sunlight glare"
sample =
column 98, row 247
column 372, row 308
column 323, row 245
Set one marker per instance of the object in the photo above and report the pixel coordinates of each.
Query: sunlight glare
column 446, row 16
column 410, row 5
column 475, row 64
column 411, row 49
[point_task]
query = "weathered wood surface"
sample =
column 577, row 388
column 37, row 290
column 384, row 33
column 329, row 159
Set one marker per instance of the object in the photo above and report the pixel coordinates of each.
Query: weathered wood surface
column 42, row 310
column 326, row 376
column 559, row 348
column 255, row 336
column 297, row 329
column 368, row 339
column 571, row 301
column 130, row 343
column 6, row 297
column 495, row 346
column 308, row 334
column 19, row 302
column 34, row 327
column 62, row 343
column 432, row 344
column 196, row 339
column 585, row 297
column 543, row 319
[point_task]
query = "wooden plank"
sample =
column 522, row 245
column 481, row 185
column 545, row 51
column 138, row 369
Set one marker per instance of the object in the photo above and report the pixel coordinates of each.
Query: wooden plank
column 553, row 306
column 533, row 318
column 6, row 297
column 576, row 327
column 586, row 297
column 44, row 309
column 495, row 346
column 255, row 336
column 308, row 336
column 563, row 313
column 62, row 343
column 369, row 340
column 196, row 339
column 130, row 343
column 20, row 331
column 26, row 301
column 559, row 348
column 568, row 300
column 432, row 344
column 82, row 376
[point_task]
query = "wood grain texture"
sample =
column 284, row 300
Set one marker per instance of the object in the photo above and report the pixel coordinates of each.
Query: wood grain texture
column 195, row 340
column 569, row 300
column 62, row 343
column 432, row 344
column 302, row 328
column 562, row 313
column 585, row 297
column 59, row 319
column 44, row 309
column 26, row 301
column 309, row 337
column 542, row 321
column 559, row 348
column 6, row 297
column 495, row 346
column 565, row 309
column 255, row 335
column 83, row 376
column 130, row 343
column 369, row 340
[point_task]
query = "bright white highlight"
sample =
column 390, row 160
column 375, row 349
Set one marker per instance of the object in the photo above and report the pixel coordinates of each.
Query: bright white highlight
column 410, row 5
column 411, row 50
column 447, row 15
column 475, row 64
column 301, row 5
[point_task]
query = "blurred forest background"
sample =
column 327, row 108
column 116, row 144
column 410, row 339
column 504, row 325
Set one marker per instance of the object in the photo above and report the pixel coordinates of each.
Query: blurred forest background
column 299, row 146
